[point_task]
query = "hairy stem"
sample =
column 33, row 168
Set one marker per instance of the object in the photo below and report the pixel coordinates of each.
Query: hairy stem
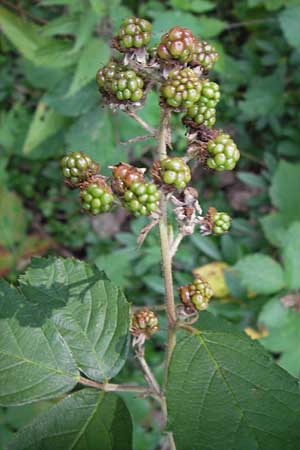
column 163, row 138
column 148, row 375
column 109, row 387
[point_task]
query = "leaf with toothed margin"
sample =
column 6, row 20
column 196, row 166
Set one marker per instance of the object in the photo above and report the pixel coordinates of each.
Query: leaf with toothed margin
column 35, row 361
column 90, row 312
column 234, row 394
column 87, row 419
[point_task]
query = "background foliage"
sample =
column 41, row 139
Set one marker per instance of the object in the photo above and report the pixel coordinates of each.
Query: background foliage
column 50, row 51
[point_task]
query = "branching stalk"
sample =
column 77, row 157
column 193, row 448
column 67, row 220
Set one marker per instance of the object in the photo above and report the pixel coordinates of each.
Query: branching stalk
column 109, row 387
column 142, row 122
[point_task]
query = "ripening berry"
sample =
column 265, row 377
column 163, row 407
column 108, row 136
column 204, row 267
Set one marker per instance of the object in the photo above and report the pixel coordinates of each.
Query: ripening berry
column 204, row 112
column 78, row 167
column 196, row 295
column 96, row 197
column 221, row 223
column 177, row 44
column 134, row 33
column 141, row 199
column 223, row 153
column 176, row 172
column 182, row 88
column 144, row 322
column 123, row 84
column 205, row 55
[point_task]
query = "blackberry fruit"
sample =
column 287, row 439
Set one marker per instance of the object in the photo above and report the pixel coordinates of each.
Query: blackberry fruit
column 205, row 55
column 144, row 322
column 77, row 168
column 141, row 198
column 120, row 82
column 204, row 112
column 223, row 153
column 177, row 44
column 221, row 223
column 196, row 295
column 134, row 33
column 175, row 171
column 96, row 197
column 182, row 88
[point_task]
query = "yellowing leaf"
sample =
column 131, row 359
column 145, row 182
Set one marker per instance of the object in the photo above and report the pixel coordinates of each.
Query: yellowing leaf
column 256, row 334
column 213, row 273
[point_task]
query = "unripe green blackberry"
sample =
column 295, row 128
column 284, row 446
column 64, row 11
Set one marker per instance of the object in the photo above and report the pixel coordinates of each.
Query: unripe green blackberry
column 205, row 55
column 221, row 223
column 223, row 153
column 204, row 112
column 134, row 33
column 182, row 88
column 196, row 295
column 122, row 83
column 177, row 44
column 96, row 197
column 144, row 322
column 78, row 167
column 141, row 198
column 175, row 171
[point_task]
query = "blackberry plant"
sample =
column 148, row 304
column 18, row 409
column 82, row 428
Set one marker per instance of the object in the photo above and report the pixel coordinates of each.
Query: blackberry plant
column 65, row 329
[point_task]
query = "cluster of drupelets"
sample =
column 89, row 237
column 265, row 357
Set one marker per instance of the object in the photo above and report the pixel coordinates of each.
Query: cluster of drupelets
column 179, row 64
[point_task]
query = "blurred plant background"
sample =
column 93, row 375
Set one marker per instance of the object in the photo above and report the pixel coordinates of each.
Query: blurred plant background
column 50, row 52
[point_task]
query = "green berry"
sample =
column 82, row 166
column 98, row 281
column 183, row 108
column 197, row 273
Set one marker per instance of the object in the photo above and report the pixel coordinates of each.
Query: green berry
column 182, row 88
column 78, row 167
column 179, row 44
column 120, row 82
column 141, row 198
column 223, row 153
column 196, row 295
column 144, row 322
column 204, row 112
column 221, row 223
column 205, row 55
column 96, row 197
column 134, row 33
column 175, row 171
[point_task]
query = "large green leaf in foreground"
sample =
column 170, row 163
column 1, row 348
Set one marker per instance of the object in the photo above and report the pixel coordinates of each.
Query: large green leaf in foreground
column 89, row 311
column 234, row 395
column 35, row 362
column 86, row 420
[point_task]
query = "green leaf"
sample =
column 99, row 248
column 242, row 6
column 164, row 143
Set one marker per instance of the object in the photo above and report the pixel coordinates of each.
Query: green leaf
column 274, row 227
column 196, row 6
column 252, row 179
column 89, row 311
column 260, row 274
column 291, row 256
column 234, row 395
column 35, row 361
column 56, row 54
column 94, row 134
column 203, row 27
column 289, row 22
column 45, row 123
column 283, row 325
column 13, row 221
column 88, row 419
column 93, row 55
column 207, row 246
column 99, row 6
column 285, row 188
column 23, row 34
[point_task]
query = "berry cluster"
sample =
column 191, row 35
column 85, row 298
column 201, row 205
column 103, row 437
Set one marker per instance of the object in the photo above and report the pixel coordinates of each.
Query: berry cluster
column 182, row 88
column 205, row 55
column 179, row 44
column 195, row 296
column 144, row 322
column 223, row 153
column 138, row 196
column 78, row 167
column 175, row 171
column 221, row 223
column 96, row 197
column 124, row 84
column 204, row 111
column 134, row 33
column 142, row 198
